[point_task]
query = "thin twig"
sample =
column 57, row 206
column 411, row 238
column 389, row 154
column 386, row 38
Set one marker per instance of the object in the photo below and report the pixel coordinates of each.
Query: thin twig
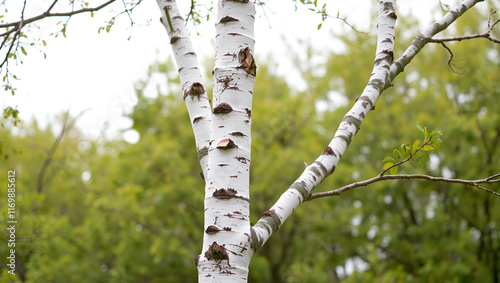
column 473, row 183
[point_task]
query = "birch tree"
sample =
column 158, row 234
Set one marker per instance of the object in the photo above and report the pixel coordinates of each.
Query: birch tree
column 229, row 241
column 222, row 127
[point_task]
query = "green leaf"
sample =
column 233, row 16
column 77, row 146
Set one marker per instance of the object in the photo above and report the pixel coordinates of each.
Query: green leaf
column 435, row 133
column 388, row 158
column 319, row 26
column 397, row 153
column 415, row 145
column 394, row 170
column 24, row 51
column 420, row 128
column 427, row 147
column 387, row 165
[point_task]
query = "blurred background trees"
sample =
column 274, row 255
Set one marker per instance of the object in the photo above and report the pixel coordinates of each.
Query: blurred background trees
column 111, row 211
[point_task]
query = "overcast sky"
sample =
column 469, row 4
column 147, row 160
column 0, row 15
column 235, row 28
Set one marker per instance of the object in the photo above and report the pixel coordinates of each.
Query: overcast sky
column 97, row 72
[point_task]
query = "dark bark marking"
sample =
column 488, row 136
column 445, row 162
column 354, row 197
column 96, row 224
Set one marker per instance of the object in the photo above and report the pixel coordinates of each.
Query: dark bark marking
column 228, row 229
column 366, row 101
column 226, row 144
column 255, row 241
column 224, row 193
column 299, row 187
column 222, row 108
column 351, row 120
column 196, row 260
column 216, row 252
column 322, row 167
column 242, row 159
column 345, row 138
column 197, row 119
column 228, row 19
column 226, row 80
column 393, row 15
column 212, row 229
column 174, row 39
column 237, row 134
column 196, row 89
column 389, row 56
column 328, row 151
column 247, row 62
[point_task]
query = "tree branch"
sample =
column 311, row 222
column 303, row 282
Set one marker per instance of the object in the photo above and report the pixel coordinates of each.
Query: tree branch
column 486, row 34
column 48, row 14
column 473, row 183
column 423, row 38
column 67, row 126
column 326, row 163
column 193, row 89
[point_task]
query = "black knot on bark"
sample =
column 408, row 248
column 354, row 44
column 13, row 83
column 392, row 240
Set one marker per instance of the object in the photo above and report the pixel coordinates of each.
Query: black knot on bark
column 224, row 193
column 212, row 229
column 222, row 108
column 216, row 252
column 196, row 89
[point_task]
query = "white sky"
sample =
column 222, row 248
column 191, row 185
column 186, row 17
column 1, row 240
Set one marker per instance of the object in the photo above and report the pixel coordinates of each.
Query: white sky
column 96, row 72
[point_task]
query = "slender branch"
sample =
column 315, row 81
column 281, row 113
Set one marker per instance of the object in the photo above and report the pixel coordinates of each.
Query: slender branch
column 67, row 126
column 473, row 183
column 195, row 95
column 48, row 14
column 465, row 37
column 450, row 61
column 486, row 34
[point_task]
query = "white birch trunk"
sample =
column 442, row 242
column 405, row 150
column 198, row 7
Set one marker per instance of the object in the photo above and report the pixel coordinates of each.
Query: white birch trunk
column 226, row 249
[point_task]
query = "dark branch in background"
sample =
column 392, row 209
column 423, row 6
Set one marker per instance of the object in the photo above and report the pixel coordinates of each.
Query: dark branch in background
column 66, row 127
column 486, row 35
column 48, row 14
column 452, row 65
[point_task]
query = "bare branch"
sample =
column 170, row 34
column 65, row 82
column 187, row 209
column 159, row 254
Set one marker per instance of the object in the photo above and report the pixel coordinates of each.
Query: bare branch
column 48, row 14
column 67, row 126
column 450, row 62
column 473, row 183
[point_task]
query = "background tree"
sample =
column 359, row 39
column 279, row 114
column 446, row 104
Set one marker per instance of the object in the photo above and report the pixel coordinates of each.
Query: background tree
column 357, row 217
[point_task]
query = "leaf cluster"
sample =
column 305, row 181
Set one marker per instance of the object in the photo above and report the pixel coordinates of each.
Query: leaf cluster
column 416, row 151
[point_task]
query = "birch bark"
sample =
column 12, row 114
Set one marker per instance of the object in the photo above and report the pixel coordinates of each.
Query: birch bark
column 226, row 249
column 194, row 93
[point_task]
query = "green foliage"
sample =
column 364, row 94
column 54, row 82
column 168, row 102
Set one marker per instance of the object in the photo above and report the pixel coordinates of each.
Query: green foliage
column 418, row 151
